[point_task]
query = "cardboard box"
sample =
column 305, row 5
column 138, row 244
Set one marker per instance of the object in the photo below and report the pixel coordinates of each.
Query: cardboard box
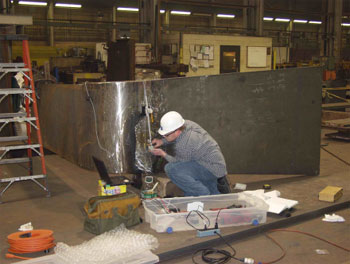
column 330, row 194
column 110, row 190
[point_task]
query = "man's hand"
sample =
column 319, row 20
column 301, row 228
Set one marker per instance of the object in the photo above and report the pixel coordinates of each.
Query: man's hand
column 157, row 142
column 158, row 152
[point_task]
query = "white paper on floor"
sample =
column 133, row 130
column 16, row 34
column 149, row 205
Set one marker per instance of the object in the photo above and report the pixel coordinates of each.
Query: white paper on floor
column 333, row 218
column 276, row 203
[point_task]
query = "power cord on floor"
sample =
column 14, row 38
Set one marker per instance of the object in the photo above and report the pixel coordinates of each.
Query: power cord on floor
column 227, row 256
column 299, row 232
column 29, row 242
column 331, row 153
column 208, row 254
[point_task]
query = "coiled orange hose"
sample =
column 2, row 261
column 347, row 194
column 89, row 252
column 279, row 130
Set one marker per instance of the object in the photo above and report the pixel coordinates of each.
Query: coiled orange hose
column 30, row 241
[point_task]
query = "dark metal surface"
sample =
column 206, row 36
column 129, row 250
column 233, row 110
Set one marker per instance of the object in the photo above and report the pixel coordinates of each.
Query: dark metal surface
column 253, row 231
column 265, row 122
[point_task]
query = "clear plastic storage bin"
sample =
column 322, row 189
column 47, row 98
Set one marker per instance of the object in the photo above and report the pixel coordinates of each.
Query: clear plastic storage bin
column 233, row 209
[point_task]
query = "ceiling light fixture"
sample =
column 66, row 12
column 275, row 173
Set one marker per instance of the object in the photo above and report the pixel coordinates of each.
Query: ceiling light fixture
column 68, row 5
column 315, row 22
column 282, row 19
column 302, row 21
column 162, row 11
column 268, row 18
column 32, row 3
column 225, row 15
column 185, row 13
column 130, row 9
column 345, row 24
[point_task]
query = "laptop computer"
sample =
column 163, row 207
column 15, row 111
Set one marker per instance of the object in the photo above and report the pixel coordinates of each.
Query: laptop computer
column 102, row 171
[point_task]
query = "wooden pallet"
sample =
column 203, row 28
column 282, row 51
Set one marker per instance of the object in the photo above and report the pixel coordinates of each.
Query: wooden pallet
column 339, row 121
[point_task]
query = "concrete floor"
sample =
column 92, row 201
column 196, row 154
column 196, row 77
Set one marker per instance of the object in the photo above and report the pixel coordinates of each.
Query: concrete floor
column 71, row 186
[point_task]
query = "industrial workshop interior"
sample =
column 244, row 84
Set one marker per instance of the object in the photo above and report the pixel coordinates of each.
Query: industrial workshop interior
column 174, row 131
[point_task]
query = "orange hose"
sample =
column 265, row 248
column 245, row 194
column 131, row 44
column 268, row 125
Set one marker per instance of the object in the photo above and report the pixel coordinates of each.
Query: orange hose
column 30, row 241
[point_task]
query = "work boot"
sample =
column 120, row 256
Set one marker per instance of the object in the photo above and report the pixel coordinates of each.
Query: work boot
column 223, row 185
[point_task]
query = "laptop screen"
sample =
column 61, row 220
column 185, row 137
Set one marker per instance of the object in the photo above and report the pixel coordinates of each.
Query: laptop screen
column 102, row 170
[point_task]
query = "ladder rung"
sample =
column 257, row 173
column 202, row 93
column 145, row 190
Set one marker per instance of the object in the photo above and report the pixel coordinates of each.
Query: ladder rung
column 9, row 115
column 13, row 138
column 14, row 70
column 12, row 65
column 19, row 147
column 17, row 119
column 15, row 160
column 23, row 178
column 15, row 91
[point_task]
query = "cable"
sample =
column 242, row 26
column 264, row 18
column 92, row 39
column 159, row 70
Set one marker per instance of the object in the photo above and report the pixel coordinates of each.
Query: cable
column 95, row 119
column 311, row 235
column 163, row 205
column 299, row 232
column 347, row 163
column 8, row 255
column 225, row 255
column 29, row 242
column 201, row 215
column 147, row 114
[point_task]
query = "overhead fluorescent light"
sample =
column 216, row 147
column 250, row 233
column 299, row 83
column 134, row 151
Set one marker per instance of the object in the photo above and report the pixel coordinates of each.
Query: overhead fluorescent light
column 162, row 11
column 185, row 13
column 68, row 5
column 345, row 24
column 302, row 21
column 130, row 9
column 32, row 3
column 315, row 22
column 268, row 18
column 282, row 19
column 225, row 15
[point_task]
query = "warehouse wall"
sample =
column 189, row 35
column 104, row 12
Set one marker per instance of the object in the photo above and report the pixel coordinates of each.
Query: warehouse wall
column 216, row 41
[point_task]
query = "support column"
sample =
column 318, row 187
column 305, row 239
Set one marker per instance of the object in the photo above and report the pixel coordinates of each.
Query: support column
column 290, row 31
column 259, row 17
column 50, row 17
column 338, row 10
column 149, row 14
column 166, row 20
column 245, row 15
column 332, row 29
column 3, row 6
column 251, row 17
column 213, row 20
column 114, row 21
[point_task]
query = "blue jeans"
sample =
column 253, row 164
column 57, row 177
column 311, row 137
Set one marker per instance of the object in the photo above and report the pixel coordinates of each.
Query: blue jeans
column 192, row 178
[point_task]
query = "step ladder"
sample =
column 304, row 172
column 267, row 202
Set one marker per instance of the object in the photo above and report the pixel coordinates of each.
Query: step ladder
column 24, row 76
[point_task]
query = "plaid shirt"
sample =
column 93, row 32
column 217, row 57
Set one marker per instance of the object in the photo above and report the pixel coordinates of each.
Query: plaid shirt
column 195, row 144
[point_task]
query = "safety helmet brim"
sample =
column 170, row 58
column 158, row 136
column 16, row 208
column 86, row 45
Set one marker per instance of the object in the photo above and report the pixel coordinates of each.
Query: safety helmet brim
column 163, row 132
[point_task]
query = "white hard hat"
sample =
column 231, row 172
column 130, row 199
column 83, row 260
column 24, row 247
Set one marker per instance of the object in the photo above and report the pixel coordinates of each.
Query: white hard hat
column 170, row 122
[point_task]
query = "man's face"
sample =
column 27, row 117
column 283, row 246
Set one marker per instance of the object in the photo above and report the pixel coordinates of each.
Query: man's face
column 172, row 136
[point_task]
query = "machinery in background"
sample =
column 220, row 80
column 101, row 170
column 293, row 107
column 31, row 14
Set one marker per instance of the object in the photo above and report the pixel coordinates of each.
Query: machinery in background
column 128, row 60
column 78, row 67
column 122, row 60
